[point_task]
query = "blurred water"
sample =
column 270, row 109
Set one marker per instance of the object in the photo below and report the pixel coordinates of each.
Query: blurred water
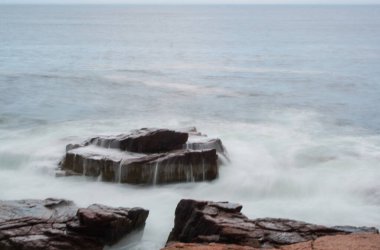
column 292, row 91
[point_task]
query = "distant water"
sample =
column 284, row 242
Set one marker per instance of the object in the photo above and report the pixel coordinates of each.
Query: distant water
column 294, row 92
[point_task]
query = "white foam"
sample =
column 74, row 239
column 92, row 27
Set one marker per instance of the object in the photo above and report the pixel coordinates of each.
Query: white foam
column 291, row 166
column 184, row 87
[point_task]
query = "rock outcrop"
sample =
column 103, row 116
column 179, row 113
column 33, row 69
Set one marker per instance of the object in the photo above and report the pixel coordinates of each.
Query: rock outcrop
column 357, row 241
column 55, row 224
column 146, row 156
column 222, row 222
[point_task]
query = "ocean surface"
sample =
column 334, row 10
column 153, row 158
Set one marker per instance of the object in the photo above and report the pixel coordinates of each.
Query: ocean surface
column 293, row 92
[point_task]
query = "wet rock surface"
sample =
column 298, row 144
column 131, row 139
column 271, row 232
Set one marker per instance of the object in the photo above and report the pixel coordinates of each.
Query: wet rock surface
column 147, row 156
column 55, row 224
column 144, row 140
column 222, row 222
column 198, row 143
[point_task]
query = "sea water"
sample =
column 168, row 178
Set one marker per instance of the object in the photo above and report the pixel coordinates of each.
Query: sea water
column 293, row 92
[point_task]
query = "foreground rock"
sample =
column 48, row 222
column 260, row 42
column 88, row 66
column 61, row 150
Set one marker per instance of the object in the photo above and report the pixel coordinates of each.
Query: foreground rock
column 210, row 246
column 55, row 224
column 147, row 156
column 358, row 241
column 221, row 222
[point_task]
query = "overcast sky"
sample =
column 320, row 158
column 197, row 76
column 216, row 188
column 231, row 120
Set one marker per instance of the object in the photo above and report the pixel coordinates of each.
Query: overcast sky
column 194, row 1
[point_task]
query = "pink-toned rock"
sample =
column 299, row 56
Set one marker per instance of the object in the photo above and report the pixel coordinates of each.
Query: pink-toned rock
column 222, row 222
column 211, row 246
column 357, row 241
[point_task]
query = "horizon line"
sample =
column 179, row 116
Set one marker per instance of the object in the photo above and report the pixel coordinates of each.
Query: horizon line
column 201, row 4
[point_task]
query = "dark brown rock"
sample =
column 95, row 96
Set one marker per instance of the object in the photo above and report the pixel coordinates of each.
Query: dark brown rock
column 176, row 166
column 143, row 141
column 55, row 224
column 146, row 156
column 204, row 143
column 221, row 222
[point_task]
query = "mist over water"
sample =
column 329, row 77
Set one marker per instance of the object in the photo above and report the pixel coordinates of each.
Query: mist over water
column 293, row 92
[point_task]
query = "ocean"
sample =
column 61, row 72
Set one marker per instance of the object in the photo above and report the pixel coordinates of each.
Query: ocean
column 293, row 92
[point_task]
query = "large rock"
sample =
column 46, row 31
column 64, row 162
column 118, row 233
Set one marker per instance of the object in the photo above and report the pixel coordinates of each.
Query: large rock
column 106, row 158
column 176, row 166
column 221, row 222
column 55, row 224
column 143, row 141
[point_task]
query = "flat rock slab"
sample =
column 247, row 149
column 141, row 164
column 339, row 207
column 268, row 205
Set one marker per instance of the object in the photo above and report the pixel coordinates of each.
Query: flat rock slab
column 356, row 241
column 210, row 246
column 176, row 166
column 222, row 222
column 185, row 160
column 55, row 224
column 145, row 140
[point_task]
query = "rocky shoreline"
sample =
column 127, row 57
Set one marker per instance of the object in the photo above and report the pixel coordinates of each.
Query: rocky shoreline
column 54, row 224
column 221, row 225
column 160, row 156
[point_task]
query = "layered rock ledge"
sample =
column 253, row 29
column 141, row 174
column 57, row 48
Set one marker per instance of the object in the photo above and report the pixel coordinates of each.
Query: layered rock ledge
column 56, row 224
column 205, row 222
column 147, row 156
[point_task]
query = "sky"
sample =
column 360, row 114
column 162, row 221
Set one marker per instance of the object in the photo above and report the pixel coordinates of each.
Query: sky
column 190, row 1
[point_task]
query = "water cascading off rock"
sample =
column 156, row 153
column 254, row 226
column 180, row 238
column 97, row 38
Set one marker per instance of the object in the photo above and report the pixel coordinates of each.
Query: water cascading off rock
column 146, row 156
